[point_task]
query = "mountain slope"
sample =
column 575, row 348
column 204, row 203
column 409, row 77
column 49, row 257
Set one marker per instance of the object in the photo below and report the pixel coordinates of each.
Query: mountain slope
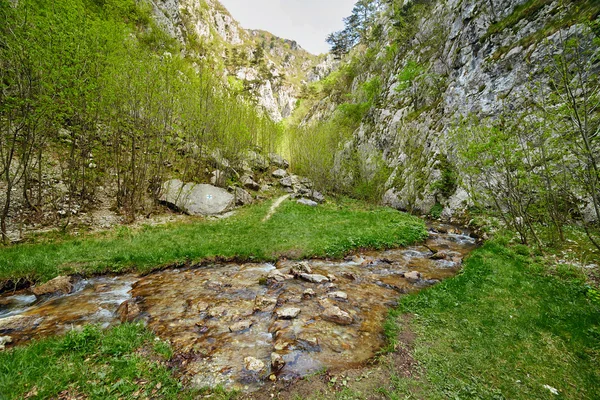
column 271, row 70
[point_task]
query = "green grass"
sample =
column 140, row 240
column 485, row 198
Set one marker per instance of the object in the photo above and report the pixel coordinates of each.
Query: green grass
column 96, row 364
column 503, row 329
column 294, row 231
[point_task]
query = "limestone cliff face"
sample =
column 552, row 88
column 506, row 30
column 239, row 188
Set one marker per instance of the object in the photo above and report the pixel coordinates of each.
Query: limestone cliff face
column 274, row 78
column 476, row 58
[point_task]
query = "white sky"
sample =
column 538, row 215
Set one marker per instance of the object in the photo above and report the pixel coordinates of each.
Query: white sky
column 308, row 22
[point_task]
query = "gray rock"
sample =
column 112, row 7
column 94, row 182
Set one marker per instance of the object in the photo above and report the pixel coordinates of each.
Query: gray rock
column 308, row 202
column 256, row 161
column 317, row 196
column 278, row 161
column 288, row 313
column 279, row 174
column 240, row 326
column 249, row 183
column 289, row 181
column 196, row 199
column 308, row 293
column 314, row 278
column 218, row 178
column 254, row 364
column 62, row 284
column 242, row 197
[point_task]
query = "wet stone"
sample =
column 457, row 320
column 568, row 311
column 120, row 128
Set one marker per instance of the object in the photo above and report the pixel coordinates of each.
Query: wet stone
column 413, row 276
column 194, row 309
column 300, row 268
column 62, row 284
column 240, row 326
column 128, row 311
column 254, row 364
column 314, row 278
column 277, row 361
column 338, row 295
column 288, row 313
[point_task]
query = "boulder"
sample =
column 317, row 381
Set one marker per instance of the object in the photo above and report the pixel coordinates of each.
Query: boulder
column 62, row 284
column 197, row 199
column 308, row 293
column 128, row 311
column 249, row 183
column 254, row 364
column 288, row 313
column 314, row 278
column 242, row 197
column 308, row 202
column 278, row 161
column 240, row 326
column 279, row 174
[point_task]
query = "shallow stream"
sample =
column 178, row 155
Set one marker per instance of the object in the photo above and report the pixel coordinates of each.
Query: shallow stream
column 239, row 325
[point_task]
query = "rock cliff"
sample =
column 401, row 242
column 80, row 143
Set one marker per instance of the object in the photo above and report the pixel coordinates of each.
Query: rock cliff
column 270, row 69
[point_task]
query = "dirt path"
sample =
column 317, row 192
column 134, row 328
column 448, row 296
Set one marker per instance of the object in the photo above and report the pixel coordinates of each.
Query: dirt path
column 275, row 206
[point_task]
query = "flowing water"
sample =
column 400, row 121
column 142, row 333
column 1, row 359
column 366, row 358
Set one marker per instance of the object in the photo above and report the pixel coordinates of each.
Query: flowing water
column 238, row 325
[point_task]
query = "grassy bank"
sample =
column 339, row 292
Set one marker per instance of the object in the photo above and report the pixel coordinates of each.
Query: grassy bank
column 508, row 327
column 294, row 230
column 124, row 362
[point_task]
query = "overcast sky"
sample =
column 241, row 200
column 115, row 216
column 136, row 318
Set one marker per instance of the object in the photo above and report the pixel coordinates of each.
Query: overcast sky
column 308, row 22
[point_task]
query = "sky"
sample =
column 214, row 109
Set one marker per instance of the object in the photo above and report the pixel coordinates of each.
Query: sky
column 308, row 22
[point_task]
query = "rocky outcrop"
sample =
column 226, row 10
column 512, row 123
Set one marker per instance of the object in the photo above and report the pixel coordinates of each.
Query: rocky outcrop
column 208, row 21
column 463, row 58
column 196, row 199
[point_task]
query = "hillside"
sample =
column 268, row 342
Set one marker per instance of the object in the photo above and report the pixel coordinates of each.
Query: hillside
column 271, row 70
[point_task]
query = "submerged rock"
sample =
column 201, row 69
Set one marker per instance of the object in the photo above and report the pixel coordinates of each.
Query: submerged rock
column 254, row 364
column 338, row 295
column 277, row 361
column 335, row 314
column 413, row 276
column 62, row 284
column 128, row 311
column 196, row 199
column 288, row 313
column 240, row 326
